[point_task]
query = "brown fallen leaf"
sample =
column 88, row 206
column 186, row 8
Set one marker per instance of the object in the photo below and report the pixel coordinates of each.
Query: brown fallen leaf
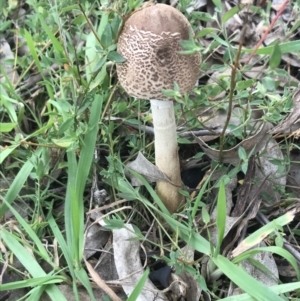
column 258, row 141
column 145, row 168
column 129, row 266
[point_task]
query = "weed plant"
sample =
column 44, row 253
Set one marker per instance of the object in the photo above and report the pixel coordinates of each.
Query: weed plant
column 73, row 131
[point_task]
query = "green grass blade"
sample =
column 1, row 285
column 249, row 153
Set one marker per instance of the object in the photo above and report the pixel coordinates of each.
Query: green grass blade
column 272, row 249
column 35, row 293
column 32, row 49
column 66, row 251
column 71, row 207
column 84, row 279
column 85, row 163
column 278, row 289
column 91, row 56
column 42, row 251
column 56, row 44
column 78, row 173
column 30, row 264
column 287, row 47
column 256, row 237
column 62, row 243
column 199, row 197
column 244, row 281
column 30, row 43
column 191, row 237
column 87, row 152
column 32, row 282
column 22, row 254
column 153, row 194
column 18, row 182
column 139, row 287
column 221, row 216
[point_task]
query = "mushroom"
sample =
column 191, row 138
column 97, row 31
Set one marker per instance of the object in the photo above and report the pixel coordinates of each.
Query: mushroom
column 149, row 42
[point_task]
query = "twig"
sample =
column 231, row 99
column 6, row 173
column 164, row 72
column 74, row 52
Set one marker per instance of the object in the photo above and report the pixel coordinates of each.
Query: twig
column 232, row 88
column 186, row 134
column 282, row 8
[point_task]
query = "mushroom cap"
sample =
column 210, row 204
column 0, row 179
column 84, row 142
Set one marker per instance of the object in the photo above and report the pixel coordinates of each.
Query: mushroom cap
column 149, row 42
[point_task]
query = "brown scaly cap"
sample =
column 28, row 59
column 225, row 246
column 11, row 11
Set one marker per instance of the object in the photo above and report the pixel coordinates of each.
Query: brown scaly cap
column 149, row 42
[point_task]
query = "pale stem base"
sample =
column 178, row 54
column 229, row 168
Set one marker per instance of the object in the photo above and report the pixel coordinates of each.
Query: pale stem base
column 166, row 152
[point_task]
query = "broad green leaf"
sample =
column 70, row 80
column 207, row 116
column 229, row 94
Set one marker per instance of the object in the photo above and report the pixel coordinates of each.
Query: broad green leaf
column 106, row 37
column 4, row 25
column 65, row 126
column 35, row 293
column 69, row 212
column 92, row 58
column 116, row 57
column 205, row 216
column 229, row 14
column 133, row 4
column 6, row 152
column 114, row 224
column 219, row 40
column 69, row 8
column 65, row 143
column 242, row 153
column 79, row 20
column 100, row 63
column 7, row 127
column 98, row 80
column 202, row 16
column 66, row 251
column 275, row 57
column 269, row 83
column 218, row 5
column 204, row 32
column 115, row 26
column 244, row 84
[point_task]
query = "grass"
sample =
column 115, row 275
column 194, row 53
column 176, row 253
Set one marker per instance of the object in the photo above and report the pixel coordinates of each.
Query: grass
column 68, row 135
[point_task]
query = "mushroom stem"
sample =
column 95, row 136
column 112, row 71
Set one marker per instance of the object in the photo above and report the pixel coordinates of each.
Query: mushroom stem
column 166, row 153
